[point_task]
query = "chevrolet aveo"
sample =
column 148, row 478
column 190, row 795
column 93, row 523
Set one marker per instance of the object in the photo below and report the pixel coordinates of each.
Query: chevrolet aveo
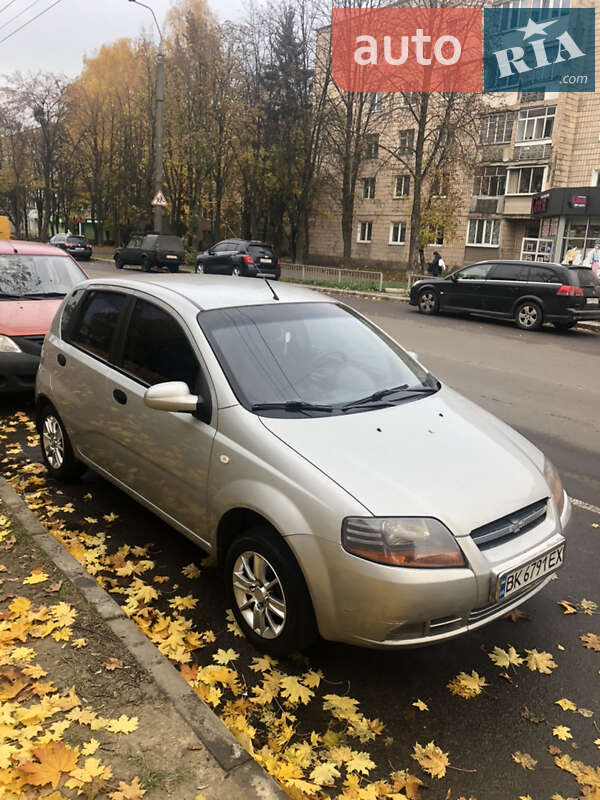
column 344, row 490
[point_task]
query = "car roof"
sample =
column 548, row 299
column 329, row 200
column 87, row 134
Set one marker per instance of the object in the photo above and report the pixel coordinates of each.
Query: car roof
column 212, row 291
column 11, row 246
column 517, row 261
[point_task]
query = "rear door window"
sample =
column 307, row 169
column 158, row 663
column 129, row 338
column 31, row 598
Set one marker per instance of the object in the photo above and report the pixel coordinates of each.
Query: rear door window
column 95, row 329
column 509, row 272
column 170, row 243
column 543, row 275
column 586, row 278
column 69, row 311
column 156, row 348
column 260, row 251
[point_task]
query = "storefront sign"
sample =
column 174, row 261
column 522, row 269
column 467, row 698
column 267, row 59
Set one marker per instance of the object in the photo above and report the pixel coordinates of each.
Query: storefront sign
column 539, row 203
column 578, row 201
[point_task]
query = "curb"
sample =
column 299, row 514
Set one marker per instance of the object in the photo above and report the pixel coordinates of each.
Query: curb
column 240, row 768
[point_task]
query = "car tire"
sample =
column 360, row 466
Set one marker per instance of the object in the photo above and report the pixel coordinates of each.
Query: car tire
column 428, row 302
column 236, row 272
column 118, row 262
column 145, row 264
column 565, row 326
column 57, row 452
column 200, row 269
column 278, row 621
column 529, row 316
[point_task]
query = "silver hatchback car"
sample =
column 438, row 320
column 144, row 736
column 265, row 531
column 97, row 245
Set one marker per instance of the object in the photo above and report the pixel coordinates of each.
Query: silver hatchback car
column 344, row 490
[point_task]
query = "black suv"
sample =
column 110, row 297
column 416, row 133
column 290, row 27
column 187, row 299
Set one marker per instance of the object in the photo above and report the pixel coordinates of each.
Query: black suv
column 151, row 250
column 240, row 257
column 530, row 293
column 76, row 246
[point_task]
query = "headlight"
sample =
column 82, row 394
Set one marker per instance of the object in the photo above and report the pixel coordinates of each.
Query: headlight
column 401, row 541
column 554, row 482
column 8, row 346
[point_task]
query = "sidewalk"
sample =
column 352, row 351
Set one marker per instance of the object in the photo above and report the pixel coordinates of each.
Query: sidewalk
column 89, row 707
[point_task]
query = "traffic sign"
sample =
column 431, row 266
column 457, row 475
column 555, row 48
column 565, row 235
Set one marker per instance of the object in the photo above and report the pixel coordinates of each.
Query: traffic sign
column 159, row 200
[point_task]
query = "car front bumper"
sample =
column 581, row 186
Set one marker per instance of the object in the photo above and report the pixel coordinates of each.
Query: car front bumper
column 17, row 372
column 363, row 603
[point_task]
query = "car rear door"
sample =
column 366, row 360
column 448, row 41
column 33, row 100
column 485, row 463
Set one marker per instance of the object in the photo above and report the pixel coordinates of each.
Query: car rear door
column 466, row 293
column 505, row 283
column 161, row 455
column 263, row 257
column 590, row 284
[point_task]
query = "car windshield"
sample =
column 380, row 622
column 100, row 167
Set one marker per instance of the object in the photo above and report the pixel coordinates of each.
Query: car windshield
column 37, row 275
column 293, row 356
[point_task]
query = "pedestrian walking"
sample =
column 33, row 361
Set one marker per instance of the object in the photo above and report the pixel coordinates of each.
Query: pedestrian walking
column 437, row 265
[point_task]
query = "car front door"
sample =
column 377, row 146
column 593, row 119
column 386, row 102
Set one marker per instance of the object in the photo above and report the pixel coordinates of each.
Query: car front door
column 162, row 456
column 131, row 253
column 210, row 259
column 504, row 285
column 466, row 292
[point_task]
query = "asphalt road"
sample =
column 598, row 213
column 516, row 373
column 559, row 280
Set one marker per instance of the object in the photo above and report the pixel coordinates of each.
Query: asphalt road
column 547, row 385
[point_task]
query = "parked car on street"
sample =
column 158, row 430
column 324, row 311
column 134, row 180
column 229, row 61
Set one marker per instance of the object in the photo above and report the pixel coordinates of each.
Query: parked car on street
column 76, row 246
column 528, row 292
column 240, row 257
column 34, row 278
column 342, row 487
column 149, row 250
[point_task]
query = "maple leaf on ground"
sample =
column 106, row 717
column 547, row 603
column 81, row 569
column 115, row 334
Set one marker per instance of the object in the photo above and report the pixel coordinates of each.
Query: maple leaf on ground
column 36, row 576
column 225, row 657
column 112, row 664
column 191, row 571
column 53, row 761
column 110, row 517
column 467, row 686
column 263, row 663
column 588, row 607
column 79, row 643
column 128, row 791
column 312, row 678
column 325, row 774
column 294, row 691
column 403, row 781
column 562, row 732
column 504, row 658
column 431, row 759
column 566, row 705
column 591, row 641
column 421, row 705
column 90, row 748
column 585, row 712
column 54, row 587
column 569, row 608
column 597, row 743
column 524, row 759
column 360, row 762
column 540, row 662
column 554, row 750
column 122, row 725
column 340, row 706
column 515, row 615
column 232, row 625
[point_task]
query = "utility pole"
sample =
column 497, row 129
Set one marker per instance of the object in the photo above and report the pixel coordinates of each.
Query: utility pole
column 158, row 128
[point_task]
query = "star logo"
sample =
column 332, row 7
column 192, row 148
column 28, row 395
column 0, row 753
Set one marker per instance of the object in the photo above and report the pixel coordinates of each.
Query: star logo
column 535, row 28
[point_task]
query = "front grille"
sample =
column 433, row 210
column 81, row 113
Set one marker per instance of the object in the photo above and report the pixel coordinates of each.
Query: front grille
column 510, row 526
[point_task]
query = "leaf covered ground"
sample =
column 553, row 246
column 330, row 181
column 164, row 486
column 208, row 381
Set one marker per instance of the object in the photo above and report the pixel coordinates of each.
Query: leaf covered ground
column 397, row 732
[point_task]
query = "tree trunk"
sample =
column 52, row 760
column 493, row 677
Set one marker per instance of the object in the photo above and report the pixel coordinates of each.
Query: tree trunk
column 415, row 216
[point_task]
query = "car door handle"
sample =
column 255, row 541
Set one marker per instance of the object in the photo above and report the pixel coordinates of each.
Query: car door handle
column 61, row 359
column 120, row 396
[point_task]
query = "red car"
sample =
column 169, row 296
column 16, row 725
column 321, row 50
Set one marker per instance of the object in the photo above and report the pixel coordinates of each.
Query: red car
column 34, row 278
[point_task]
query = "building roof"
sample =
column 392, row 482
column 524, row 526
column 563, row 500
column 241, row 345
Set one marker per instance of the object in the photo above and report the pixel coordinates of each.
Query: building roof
column 8, row 246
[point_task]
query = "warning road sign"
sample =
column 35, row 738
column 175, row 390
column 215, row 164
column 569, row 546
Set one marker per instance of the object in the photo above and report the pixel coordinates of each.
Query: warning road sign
column 159, row 199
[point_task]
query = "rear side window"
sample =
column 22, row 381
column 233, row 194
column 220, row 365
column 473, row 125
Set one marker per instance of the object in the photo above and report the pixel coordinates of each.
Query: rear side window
column 477, row 272
column 98, row 322
column 586, row 278
column 543, row 275
column 149, row 242
column 68, row 312
column 169, row 243
column 509, row 272
column 156, row 348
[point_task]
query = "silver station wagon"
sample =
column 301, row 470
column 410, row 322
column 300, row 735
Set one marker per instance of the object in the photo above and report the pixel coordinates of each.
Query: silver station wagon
column 344, row 489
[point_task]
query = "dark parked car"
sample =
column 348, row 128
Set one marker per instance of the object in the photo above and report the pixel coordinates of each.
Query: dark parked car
column 240, row 257
column 151, row 250
column 76, row 246
column 530, row 293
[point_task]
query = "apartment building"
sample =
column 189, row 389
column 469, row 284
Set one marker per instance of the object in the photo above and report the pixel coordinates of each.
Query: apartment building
column 531, row 192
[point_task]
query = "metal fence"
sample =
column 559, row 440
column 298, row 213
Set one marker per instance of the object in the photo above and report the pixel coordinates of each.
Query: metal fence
column 413, row 277
column 307, row 272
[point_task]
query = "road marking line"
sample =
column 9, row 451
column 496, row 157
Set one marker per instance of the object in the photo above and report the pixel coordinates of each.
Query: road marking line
column 585, row 506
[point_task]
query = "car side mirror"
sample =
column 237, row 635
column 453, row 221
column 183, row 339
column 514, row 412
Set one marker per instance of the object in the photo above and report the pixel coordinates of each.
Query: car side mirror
column 210, row 252
column 454, row 277
column 172, row 396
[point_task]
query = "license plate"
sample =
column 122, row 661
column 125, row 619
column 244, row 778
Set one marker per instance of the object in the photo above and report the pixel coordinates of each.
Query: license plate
column 521, row 577
column 171, row 256
column 266, row 260
column 592, row 301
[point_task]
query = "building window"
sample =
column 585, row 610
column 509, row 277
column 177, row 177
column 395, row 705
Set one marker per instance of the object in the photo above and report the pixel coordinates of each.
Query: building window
column 531, row 97
column 516, row 5
column 438, row 237
column 372, row 146
column 368, row 188
column 550, row 3
column 398, row 233
column 405, row 140
column 440, row 184
column 496, row 128
column 489, row 182
column 535, row 124
column 365, row 231
column 401, row 186
column 376, row 102
column 526, row 180
column 483, row 232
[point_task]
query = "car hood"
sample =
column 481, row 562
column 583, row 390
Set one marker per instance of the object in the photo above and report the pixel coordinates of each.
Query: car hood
column 27, row 317
column 439, row 456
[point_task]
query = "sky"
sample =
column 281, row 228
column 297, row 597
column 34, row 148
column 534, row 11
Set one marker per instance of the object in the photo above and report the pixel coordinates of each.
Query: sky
column 57, row 40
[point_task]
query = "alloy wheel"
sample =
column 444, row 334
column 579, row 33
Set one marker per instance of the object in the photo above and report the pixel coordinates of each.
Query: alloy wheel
column 528, row 316
column 427, row 302
column 199, row 268
column 259, row 594
column 53, row 442
column 236, row 272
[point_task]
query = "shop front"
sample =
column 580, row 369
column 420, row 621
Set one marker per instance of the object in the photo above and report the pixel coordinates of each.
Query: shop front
column 569, row 226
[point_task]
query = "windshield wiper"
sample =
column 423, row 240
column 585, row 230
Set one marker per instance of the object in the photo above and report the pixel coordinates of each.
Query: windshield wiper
column 38, row 295
column 290, row 405
column 407, row 391
column 11, row 296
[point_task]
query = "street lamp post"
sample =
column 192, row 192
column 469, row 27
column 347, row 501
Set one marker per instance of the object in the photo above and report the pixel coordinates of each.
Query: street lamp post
column 158, row 129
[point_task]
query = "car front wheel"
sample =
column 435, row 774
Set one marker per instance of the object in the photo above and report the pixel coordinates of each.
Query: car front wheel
column 145, row 264
column 236, row 272
column 118, row 262
column 200, row 268
column 57, row 451
column 428, row 302
column 528, row 316
column 267, row 593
